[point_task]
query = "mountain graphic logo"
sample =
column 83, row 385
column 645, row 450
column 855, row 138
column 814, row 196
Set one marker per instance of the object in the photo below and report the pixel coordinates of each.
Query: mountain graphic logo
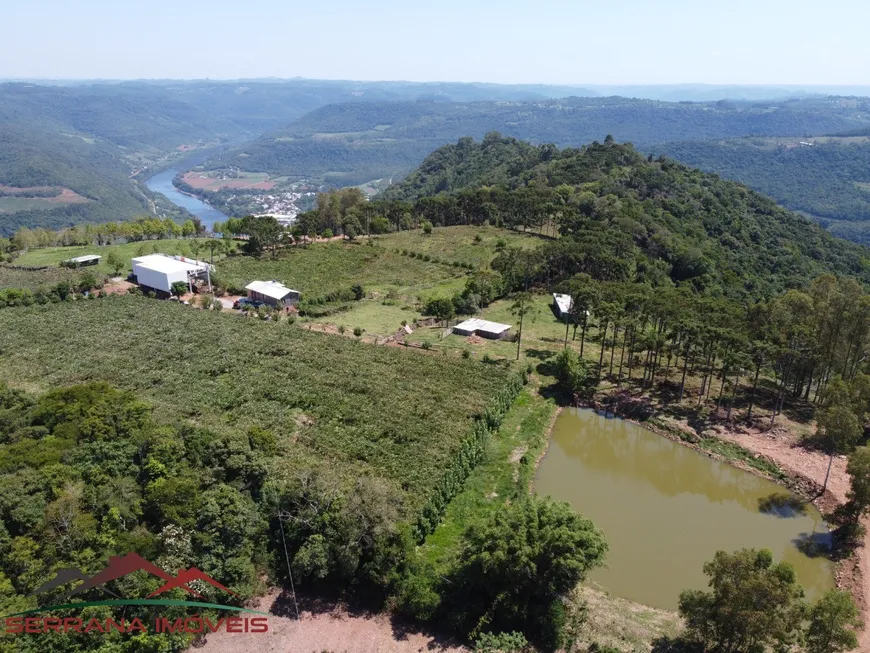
column 120, row 566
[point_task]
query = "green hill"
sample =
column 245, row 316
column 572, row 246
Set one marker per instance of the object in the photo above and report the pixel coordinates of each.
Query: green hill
column 624, row 216
column 828, row 177
column 347, row 144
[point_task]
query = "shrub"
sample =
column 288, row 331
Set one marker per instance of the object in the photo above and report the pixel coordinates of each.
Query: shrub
column 427, row 345
column 327, row 233
column 501, row 643
column 358, row 292
column 357, row 331
column 426, row 226
column 341, row 329
column 477, row 239
column 466, row 353
column 486, row 358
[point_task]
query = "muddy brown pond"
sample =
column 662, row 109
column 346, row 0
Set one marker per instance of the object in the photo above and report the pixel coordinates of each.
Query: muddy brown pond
column 666, row 509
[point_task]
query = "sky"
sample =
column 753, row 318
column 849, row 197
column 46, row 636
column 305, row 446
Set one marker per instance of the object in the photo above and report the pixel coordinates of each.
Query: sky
column 505, row 41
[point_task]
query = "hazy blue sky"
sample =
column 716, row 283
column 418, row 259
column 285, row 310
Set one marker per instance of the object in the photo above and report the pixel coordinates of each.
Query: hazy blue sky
column 552, row 41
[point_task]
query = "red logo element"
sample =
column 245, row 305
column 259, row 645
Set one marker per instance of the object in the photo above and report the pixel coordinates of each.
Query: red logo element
column 121, row 566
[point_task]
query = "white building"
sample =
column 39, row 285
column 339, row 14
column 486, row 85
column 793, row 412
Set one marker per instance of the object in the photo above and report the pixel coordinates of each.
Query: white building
column 160, row 271
column 79, row 261
column 272, row 292
column 563, row 305
column 483, row 328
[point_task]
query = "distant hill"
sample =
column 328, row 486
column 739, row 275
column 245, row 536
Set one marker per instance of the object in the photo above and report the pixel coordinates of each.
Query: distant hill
column 827, row 178
column 347, row 144
column 89, row 137
column 626, row 216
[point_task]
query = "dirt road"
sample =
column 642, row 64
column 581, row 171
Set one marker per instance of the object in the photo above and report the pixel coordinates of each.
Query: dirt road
column 327, row 628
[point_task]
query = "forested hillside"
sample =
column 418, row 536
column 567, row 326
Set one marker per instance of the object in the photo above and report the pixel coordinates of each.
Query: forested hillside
column 89, row 138
column 625, row 216
column 351, row 143
column 828, row 178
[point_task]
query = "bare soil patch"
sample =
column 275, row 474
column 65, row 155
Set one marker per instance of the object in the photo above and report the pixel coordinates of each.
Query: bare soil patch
column 327, row 627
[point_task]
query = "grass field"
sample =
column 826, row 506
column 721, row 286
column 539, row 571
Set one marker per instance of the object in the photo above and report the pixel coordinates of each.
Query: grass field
column 212, row 181
column 331, row 401
column 323, row 268
column 35, row 279
column 54, row 255
column 457, row 243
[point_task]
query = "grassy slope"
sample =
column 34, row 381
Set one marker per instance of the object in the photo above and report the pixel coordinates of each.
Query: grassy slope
column 35, row 279
column 369, row 410
column 457, row 243
column 54, row 255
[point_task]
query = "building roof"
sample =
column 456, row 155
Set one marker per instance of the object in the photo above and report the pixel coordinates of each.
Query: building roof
column 84, row 259
column 273, row 289
column 169, row 264
column 476, row 324
column 563, row 302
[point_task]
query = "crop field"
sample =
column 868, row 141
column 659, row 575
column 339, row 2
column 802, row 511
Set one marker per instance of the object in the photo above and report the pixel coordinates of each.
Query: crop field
column 331, row 401
column 34, row 279
column 323, row 268
column 458, row 244
column 54, row 255
column 212, row 181
column 11, row 203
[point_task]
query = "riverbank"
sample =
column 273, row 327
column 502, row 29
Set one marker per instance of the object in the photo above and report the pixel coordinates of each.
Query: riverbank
column 775, row 454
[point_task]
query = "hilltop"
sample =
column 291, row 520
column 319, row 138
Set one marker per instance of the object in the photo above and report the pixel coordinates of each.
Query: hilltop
column 626, row 216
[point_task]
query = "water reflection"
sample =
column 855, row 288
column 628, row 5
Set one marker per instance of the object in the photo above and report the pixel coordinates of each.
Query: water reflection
column 666, row 509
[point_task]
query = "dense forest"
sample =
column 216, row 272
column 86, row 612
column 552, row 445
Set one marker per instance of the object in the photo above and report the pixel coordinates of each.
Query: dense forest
column 347, row 144
column 828, row 178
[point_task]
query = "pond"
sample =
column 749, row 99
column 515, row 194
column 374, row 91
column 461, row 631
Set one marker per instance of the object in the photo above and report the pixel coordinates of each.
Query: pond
column 666, row 509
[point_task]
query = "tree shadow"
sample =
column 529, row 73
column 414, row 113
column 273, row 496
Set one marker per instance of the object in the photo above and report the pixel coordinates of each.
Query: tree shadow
column 320, row 603
column 782, row 504
column 815, row 545
column 403, row 627
column 665, row 644
column 540, row 354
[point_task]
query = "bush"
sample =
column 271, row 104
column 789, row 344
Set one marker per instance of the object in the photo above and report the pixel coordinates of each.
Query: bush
column 358, row 292
column 466, row 353
column 426, row 226
column 427, row 345
column 357, row 331
column 486, row 358
column 477, row 239
column 341, row 329
column 327, row 233
column 501, row 643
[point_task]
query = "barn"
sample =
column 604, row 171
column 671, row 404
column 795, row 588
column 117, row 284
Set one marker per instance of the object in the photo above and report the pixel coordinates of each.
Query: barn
column 272, row 292
column 159, row 271
column 482, row 328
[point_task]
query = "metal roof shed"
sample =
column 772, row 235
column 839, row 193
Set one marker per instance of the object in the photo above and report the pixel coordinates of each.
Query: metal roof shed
column 272, row 292
column 78, row 261
column 159, row 271
column 483, row 328
column 563, row 304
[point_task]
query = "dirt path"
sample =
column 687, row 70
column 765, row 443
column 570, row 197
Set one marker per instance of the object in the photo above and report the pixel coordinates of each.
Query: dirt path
column 781, row 447
column 327, row 628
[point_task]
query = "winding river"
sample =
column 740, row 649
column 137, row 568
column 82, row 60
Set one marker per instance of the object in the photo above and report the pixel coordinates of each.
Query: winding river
column 666, row 509
column 162, row 183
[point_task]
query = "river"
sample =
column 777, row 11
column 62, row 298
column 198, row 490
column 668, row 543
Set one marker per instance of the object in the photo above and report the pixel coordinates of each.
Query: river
column 666, row 509
column 162, row 183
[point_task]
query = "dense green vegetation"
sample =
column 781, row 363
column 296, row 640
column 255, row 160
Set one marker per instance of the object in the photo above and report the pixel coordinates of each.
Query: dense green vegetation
column 347, row 144
column 91, row 137
column 826, row 179
column 34, row 278
column 623, row 216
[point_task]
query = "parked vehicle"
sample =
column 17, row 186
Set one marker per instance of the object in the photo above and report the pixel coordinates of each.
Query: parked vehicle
column 244, row 302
